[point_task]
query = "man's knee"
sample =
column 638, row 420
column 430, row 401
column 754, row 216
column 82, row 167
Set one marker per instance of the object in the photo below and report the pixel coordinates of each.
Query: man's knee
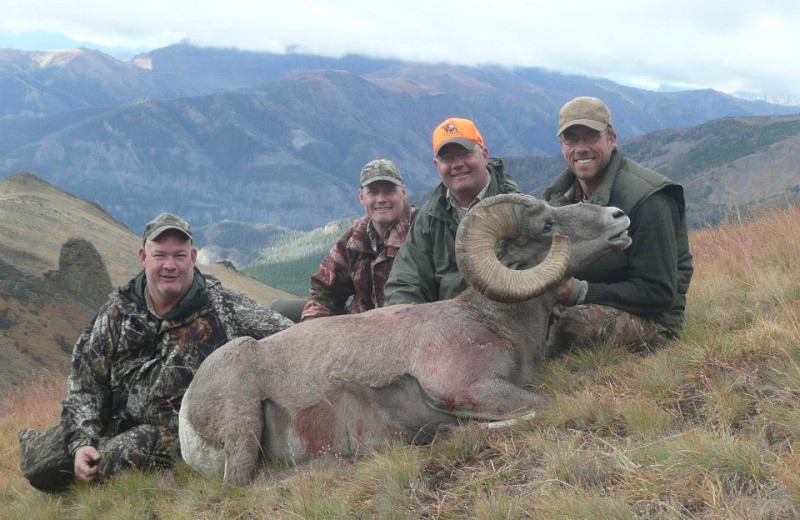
column 570, row 327
column 142, row 447
column 590, row 325
column 48, row 467
column 44, row 461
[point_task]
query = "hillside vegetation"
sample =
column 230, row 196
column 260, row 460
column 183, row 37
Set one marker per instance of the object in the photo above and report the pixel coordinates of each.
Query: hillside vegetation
column 276, row 256
column 292, row 276
column 707, row 428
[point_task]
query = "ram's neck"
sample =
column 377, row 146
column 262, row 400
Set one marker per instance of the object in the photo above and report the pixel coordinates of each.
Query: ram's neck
column 526, row 322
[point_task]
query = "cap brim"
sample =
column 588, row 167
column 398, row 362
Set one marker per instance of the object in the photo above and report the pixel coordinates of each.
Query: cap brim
column 466, row 143
column 393, row 180
column 158, row 231
column 594, row 125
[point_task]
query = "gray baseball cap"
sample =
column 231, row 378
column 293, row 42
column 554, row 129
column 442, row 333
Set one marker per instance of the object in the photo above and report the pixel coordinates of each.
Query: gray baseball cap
column 586, row 111
column 164, row 222
column 380, row 170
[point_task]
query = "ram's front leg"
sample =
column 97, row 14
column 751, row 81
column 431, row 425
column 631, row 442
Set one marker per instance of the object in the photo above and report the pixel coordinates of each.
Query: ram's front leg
column 493, row 399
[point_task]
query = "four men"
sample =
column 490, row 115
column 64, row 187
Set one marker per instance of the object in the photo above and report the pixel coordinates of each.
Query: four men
column 351, row 278
column 133, row 363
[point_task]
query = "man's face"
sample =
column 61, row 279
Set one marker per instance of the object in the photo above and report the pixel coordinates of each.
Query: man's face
column 463, row 171
column 168, row 263
column 587, row 152
column 383, row 201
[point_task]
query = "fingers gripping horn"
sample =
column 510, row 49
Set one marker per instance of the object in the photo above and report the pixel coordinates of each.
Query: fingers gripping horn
column 495, row 219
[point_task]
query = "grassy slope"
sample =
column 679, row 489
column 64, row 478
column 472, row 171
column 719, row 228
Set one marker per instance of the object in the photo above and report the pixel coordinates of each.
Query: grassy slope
column 706, row 428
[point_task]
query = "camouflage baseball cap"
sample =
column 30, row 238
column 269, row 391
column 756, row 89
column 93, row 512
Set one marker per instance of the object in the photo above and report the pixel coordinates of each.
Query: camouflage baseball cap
column 164, row 222
column 380, row 170
column 586, row 111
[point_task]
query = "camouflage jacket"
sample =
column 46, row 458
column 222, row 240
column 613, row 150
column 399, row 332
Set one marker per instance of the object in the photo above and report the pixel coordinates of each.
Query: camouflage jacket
column 353, row 268
column 130, row 367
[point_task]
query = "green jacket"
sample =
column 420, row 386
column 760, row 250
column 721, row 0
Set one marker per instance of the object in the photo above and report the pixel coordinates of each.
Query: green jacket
column 425, row 268
column 651, row 277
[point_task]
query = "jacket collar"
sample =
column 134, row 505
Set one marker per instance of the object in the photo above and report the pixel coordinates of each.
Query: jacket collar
column 565, row 182
column 438, row 206
column 359, row 239
column 194, row 299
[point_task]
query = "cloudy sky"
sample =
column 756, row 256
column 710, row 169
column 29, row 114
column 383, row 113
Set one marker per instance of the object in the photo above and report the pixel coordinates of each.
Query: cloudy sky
column 729, row 45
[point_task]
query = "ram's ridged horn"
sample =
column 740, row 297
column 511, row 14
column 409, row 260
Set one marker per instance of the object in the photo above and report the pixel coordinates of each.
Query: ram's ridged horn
column 495, row 219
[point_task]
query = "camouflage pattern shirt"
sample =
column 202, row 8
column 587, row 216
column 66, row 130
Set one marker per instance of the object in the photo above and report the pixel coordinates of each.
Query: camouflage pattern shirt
column 358, row 265
column 130, row 367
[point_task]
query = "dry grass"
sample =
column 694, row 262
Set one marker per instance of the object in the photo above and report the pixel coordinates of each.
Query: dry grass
column 36, row 406
column 707, row 428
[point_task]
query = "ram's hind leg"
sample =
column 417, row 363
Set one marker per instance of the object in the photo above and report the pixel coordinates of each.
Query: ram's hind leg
column 242, row 443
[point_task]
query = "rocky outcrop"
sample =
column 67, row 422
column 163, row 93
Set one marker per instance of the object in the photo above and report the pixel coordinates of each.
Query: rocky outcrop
column 81, row 273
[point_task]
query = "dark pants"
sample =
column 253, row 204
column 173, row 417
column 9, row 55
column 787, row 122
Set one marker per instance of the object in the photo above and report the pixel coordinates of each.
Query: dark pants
column 591, row 324
column 48, row 467
column 292, row 309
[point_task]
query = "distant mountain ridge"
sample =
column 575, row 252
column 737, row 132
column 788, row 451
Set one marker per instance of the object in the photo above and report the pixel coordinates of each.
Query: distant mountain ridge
column 727, row 164
column 280, row 139
column 39, row 83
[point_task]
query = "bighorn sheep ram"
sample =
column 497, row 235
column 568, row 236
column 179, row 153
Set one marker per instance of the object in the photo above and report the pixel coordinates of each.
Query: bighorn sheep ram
column 335, row 384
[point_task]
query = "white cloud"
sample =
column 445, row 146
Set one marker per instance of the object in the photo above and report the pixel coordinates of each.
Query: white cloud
column 715, row 44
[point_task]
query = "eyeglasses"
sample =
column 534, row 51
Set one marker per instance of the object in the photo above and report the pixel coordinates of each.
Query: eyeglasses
column 590, row 137
column 448, row 158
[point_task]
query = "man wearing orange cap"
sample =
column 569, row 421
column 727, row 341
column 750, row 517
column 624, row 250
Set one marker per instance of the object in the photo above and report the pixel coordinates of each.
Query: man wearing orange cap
column 633, row 298
column 425, row 268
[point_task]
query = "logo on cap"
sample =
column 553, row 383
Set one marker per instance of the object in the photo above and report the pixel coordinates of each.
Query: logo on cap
column 456, row 130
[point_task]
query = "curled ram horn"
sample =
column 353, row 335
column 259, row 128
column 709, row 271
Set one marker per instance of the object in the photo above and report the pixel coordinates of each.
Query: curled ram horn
column 486, row 224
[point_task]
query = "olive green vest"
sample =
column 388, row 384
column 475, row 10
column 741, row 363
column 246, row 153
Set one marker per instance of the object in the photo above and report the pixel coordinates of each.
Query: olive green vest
column 626, row 185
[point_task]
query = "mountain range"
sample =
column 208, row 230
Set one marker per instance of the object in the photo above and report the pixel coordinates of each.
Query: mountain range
column 218, row 134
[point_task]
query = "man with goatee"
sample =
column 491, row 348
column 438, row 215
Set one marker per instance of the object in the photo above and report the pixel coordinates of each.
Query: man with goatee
column 133, row 363
column 634, row 298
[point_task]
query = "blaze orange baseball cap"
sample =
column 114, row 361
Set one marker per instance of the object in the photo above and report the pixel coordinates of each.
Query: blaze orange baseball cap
column 456, row 130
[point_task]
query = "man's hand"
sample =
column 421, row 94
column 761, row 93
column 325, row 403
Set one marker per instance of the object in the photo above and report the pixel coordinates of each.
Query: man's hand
column 564, row 292
column 86, row 463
